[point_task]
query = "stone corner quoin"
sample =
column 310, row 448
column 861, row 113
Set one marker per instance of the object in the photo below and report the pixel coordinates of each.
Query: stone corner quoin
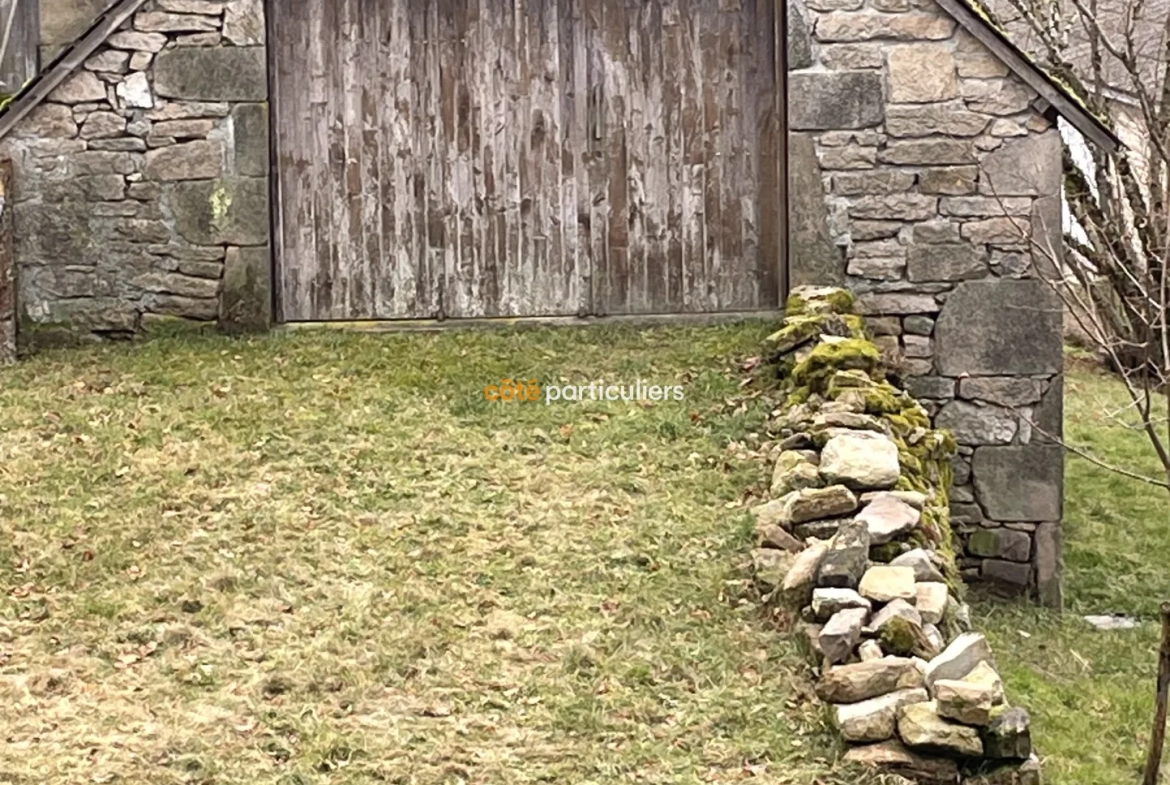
column 930, row 185
column 141, row 183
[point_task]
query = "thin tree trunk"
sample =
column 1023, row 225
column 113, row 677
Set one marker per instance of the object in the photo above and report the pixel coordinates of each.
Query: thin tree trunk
column 1158, row 738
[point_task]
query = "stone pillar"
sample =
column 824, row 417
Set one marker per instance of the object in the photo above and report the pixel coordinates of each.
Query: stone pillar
column 927, row 177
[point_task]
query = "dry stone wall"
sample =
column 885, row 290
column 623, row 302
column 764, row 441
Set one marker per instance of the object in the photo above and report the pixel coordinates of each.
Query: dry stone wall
column 922, row 172
column 857, row 536
column 141, row 184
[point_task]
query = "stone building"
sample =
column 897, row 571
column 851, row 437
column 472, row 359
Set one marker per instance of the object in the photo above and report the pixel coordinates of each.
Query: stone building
column 923, row 163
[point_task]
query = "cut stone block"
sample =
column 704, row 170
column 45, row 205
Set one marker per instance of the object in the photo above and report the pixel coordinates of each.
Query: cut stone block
column 1020, row 483
column 1002, row 327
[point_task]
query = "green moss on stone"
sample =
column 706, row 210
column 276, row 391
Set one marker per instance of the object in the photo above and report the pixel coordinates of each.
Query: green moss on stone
column 897, row 637
column 847, row 364
column 886, row 552
column 819, row 301
column 826, row 359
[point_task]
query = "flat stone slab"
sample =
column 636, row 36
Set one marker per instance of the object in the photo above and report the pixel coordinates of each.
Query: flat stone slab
column 811, row 504
column 897, row 609
column 1111, row 623
column 893, row 757
column 883, row 583
column 874, row 719
column 920, row 727
column 888, row 518
column 921, row 562
column 1009, row 735
column 864, row 680
column 826, row 602
column 932, row 601
column 964, row 701
column 845, row 562
column 959, row 658
column 802, row 575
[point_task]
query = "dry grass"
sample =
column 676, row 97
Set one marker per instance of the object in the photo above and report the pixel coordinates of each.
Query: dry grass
column 326, row 559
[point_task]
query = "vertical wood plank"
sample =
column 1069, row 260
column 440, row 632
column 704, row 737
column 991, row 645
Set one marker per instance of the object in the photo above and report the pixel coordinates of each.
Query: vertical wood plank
column 7, row 266
column 694, row 155
column 617, row 91
column 656, row 202
column 580, row 152
column 713, row 39
column 769, row 100
column 598, row 174
column 634, row 95
column 673, row 68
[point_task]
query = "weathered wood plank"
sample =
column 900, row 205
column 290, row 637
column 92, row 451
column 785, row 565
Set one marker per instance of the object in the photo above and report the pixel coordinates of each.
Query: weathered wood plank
column 772, row 176
column 453, row 159
column 694, row 226
column 673, row 69
column 19, row 65
column 598, row 173
column 7, row 266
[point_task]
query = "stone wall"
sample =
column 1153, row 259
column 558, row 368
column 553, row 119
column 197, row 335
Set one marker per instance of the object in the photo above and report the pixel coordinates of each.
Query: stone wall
column 922, row 170
column 141, row 184
column 857, row 539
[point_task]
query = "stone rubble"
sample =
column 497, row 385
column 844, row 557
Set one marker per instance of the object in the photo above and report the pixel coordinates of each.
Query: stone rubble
column 881, row 587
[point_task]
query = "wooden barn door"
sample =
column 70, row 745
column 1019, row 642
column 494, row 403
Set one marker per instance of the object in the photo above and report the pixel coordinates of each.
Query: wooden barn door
column 692, row 138
column 483, row 158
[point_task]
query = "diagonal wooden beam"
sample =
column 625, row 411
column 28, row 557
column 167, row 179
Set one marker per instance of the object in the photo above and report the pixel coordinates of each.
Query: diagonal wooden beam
column 1081, row 118
column 66, row 63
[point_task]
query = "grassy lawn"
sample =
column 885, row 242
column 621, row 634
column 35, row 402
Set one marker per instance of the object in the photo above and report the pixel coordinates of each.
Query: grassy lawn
column 320, row 558
column 1091, row 693
column 325, row 558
